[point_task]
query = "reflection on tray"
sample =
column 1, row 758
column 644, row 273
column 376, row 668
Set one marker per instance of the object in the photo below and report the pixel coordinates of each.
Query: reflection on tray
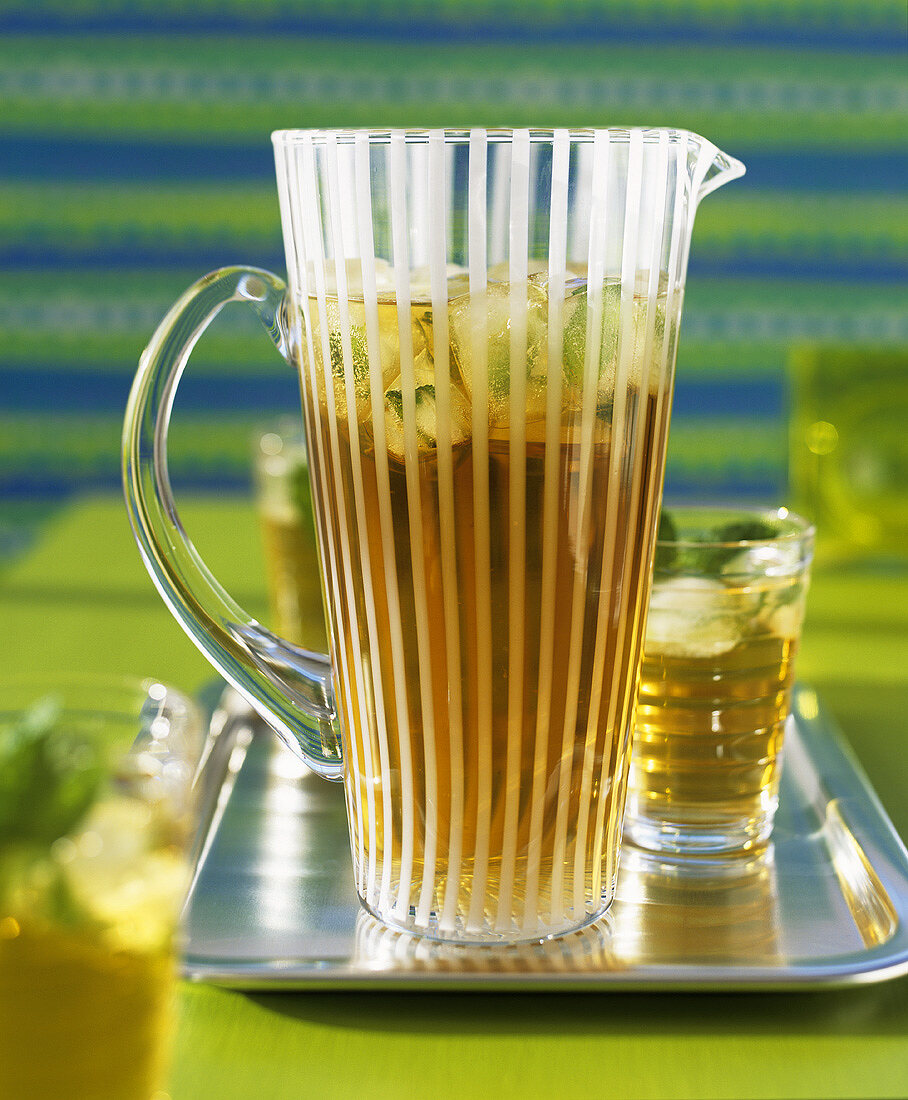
column 273, row 903
column 665, row 911
column 866, row 897
column 868, row 903
column 673, row 910
column 378, row 948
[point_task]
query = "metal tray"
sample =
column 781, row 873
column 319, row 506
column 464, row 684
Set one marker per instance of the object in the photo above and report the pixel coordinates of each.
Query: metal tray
column 272, row 904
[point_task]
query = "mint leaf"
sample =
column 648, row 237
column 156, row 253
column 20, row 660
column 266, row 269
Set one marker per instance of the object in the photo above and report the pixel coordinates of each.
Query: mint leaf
column 395, row 399
column 49, row 776
column 704, row 551
column 358, row 351
column 753, row 530
column 715, row 557
column 424, row 393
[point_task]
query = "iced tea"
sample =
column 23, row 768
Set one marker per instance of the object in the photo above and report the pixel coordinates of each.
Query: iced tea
column 722, row 635
column 487, row 569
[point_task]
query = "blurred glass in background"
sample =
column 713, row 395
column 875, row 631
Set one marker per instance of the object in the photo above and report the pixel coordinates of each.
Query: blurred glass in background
column 292, row 565
column 96, row 816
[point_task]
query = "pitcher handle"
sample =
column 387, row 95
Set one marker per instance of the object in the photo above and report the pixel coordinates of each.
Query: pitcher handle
column 289, row 686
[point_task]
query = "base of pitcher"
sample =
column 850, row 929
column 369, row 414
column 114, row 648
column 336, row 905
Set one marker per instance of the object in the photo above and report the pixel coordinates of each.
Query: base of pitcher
column 461, row 933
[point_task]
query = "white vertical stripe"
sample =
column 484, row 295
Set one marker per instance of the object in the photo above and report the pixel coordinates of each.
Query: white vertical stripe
column 335, row 197
column 451, row 154
column 532, row 194
column 282, row 161
column 517, row 260
column 614, row 568
column 676, row 224
column 397, row 182
column 705, row 156
column 345, row 198
column 481, row 538
column 652, row 371
column 315, row 250
column 332, row 569
column 418, row 212
column 629, row 270
column 447, row 529
column 579, row 243
column 682, row 225
column 674, row 292
column 299, row 276
column 386, row 520
column 498, row 222
column 595, row 268
column 653, row 221
column 557, row 276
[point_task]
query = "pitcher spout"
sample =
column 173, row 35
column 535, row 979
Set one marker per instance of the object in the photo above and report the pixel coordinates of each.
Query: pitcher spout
column 710, row 168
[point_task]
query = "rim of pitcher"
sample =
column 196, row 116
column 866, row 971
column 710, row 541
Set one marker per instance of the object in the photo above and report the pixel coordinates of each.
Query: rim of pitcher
column 454, row 135
column 717, row 168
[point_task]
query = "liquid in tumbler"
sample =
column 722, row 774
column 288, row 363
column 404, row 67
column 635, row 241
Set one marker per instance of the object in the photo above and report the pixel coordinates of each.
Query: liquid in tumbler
column 92, row 876
column 718, row 666
column 485, row 668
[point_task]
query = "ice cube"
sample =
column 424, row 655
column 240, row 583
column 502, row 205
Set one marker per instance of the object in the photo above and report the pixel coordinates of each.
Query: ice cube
column 573, row 358
column 359, row 360
column 389, row 351
column 782, row 607
column 643, row 359
column 426, row 412
column 694, row 617
column 458, row 283
column 776, row 559
column 122, row 874
column 384, row 278
column 784, row 620
column 421, row 282
column 496, row 335
column 501, row 272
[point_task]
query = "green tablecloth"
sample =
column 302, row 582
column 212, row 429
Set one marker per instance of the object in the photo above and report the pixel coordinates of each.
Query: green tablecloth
column 80, row 600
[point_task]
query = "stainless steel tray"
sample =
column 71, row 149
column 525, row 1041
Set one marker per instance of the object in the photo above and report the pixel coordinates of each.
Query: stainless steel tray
column 272, row 904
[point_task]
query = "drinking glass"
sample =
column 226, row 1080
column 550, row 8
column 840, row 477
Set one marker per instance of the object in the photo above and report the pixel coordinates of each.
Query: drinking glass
column 724, row 623
column 95, row 816
column 485, row 325
column 671, row 909
column 292, row 569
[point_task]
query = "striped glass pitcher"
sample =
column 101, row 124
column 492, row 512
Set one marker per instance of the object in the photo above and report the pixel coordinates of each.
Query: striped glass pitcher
column 485, row 325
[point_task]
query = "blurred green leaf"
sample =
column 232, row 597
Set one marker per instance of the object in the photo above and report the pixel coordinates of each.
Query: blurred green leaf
column 49, row 776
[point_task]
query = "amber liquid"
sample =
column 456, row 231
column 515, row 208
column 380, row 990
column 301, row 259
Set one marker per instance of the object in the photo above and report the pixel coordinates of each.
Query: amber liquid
column 709, row 736
column 82, row 1020
column 485, row 598
column 88, row 956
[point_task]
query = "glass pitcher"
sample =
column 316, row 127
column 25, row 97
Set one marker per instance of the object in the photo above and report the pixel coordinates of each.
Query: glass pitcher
column 485, row 325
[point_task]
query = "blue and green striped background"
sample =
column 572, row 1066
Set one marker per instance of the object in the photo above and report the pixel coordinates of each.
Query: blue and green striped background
column 134, row 157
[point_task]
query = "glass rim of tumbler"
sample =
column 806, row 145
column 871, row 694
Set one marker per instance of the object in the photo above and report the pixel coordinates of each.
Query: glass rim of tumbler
column 123, row 713
column 121, row 696
column 789, row 528
column 460, row 135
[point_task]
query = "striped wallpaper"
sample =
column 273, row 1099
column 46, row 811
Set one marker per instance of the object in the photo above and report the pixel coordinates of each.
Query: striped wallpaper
column 134, row 157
